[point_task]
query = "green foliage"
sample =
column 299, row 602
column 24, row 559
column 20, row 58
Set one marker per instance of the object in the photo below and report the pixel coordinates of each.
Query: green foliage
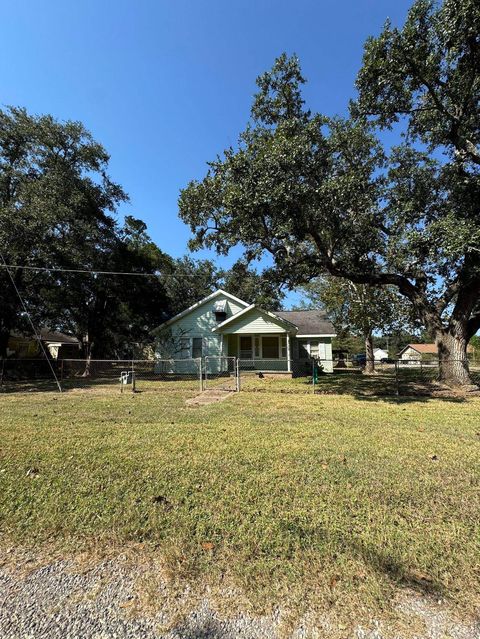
column 357, row 308
column 55, row 200
column 56, row 206
column 253, row 287
column 323, row 197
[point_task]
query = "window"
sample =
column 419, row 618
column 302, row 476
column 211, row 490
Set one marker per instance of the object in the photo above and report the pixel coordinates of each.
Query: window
column 220, row 310
column 197, row 347
column 283, row 344
column 257, row 347
column 314, row 349
column 184, row 348
column 246, row 347
column 270, row 347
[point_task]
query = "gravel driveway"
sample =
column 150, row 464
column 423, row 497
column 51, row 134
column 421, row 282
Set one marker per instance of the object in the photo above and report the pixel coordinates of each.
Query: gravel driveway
column 58, row 602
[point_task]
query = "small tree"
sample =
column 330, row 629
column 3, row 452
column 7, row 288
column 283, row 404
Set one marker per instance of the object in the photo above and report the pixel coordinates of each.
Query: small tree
column 358, row 309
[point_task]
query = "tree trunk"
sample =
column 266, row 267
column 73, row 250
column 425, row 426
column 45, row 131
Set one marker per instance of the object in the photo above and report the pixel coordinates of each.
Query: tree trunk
column 4, row 335
column 369, row 362
column 452, row 358
column 88, row 358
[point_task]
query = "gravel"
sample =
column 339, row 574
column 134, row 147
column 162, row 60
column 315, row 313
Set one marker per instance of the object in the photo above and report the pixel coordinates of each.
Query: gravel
column 59, row 601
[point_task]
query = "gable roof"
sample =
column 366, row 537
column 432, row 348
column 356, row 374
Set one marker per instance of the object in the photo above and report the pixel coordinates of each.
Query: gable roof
column 430, row 349
column 274, row 316
column 310, row 323
column 57, row 337
column 47, row 335
column 191, row 308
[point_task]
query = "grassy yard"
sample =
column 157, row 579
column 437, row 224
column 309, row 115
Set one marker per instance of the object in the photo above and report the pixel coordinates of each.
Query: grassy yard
column 327, row 501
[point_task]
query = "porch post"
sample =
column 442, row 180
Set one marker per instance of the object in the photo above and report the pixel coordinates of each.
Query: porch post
column 289, row 364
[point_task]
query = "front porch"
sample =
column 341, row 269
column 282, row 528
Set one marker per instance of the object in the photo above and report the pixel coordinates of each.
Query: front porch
column 266, row 353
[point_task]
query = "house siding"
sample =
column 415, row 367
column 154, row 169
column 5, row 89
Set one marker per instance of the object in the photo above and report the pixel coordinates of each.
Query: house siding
column 411, row 354
column 324, row 350
column 200, row 323
column 254, row 322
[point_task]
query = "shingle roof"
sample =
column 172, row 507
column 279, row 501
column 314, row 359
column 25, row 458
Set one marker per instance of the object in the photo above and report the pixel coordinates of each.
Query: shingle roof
column 55, row 336
column 309, row 322
column 430, row 349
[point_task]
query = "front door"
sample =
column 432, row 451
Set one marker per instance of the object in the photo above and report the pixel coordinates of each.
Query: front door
column 246, row 347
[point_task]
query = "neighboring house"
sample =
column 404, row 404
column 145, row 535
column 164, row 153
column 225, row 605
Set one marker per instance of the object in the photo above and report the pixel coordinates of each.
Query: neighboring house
column 222, row 325
column 422, row 352
column 379, row 354
column 58, row 345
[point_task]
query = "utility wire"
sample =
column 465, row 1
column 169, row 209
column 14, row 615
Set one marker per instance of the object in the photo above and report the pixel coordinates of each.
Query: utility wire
column 31, row 322
column 78, row 270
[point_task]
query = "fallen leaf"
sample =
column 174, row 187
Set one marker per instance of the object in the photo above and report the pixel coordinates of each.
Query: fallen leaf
column 207, row 545
column 333, row 581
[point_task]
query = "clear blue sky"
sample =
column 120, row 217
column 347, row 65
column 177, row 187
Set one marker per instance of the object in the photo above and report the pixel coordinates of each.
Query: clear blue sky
column 166, row 85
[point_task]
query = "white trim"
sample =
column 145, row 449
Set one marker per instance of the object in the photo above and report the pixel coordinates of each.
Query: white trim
column 278, row 319
column 318, row 335
column 289, row 364
column 220, row 291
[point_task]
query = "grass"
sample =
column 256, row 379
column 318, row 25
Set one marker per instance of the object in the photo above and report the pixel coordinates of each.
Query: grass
column 327, row 501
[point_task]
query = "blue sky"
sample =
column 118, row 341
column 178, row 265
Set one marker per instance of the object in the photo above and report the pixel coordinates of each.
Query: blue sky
column 165, row 86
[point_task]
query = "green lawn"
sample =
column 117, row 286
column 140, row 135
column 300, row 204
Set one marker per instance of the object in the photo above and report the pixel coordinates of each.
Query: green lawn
column 336, row 500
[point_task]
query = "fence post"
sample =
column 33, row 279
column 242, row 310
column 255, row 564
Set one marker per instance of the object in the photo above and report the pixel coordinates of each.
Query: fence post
column 133, row 377
column 1, row 374
column 200, row 373
column 61, row 371
column 237, row 371
column 313, row 376
column 397, row 389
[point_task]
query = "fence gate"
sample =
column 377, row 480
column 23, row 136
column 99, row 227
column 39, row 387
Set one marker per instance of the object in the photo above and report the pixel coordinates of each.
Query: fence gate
column 220, row 373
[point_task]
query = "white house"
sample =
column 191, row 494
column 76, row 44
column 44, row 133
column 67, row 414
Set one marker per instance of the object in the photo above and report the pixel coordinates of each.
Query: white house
column 379, row 354
column 222, row 325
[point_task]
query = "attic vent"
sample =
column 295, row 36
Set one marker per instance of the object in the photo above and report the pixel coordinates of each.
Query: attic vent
column 220, row 310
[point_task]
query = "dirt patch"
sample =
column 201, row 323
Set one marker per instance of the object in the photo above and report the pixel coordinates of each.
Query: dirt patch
column 210, row 396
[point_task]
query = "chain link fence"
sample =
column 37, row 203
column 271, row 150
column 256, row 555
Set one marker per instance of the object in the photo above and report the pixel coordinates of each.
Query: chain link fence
column 182, row 376
column 190, row 376
column 220, row 373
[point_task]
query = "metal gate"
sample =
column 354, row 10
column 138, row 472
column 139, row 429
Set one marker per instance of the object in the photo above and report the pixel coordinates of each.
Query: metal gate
column 220, row 373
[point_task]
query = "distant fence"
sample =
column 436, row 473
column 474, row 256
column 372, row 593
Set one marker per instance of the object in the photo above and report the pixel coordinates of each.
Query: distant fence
column 190, row 376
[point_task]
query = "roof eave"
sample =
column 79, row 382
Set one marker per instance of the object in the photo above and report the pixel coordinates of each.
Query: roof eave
column 191, row 308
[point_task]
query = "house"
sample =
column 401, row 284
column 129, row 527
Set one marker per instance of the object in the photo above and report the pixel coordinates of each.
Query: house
column 422, row 352
column 58, row 345
column 379, row 354
column 222, row 325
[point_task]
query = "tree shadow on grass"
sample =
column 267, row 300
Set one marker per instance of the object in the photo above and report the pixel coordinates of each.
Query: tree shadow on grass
column 382, row 563
column 49, row 385
column 384, row 387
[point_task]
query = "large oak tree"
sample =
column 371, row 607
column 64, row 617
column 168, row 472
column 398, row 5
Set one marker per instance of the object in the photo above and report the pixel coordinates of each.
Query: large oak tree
column 322, row 196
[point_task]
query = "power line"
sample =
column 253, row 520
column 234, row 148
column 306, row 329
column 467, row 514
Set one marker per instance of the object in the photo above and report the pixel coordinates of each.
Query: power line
column 31, row 322
column 94, row 272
